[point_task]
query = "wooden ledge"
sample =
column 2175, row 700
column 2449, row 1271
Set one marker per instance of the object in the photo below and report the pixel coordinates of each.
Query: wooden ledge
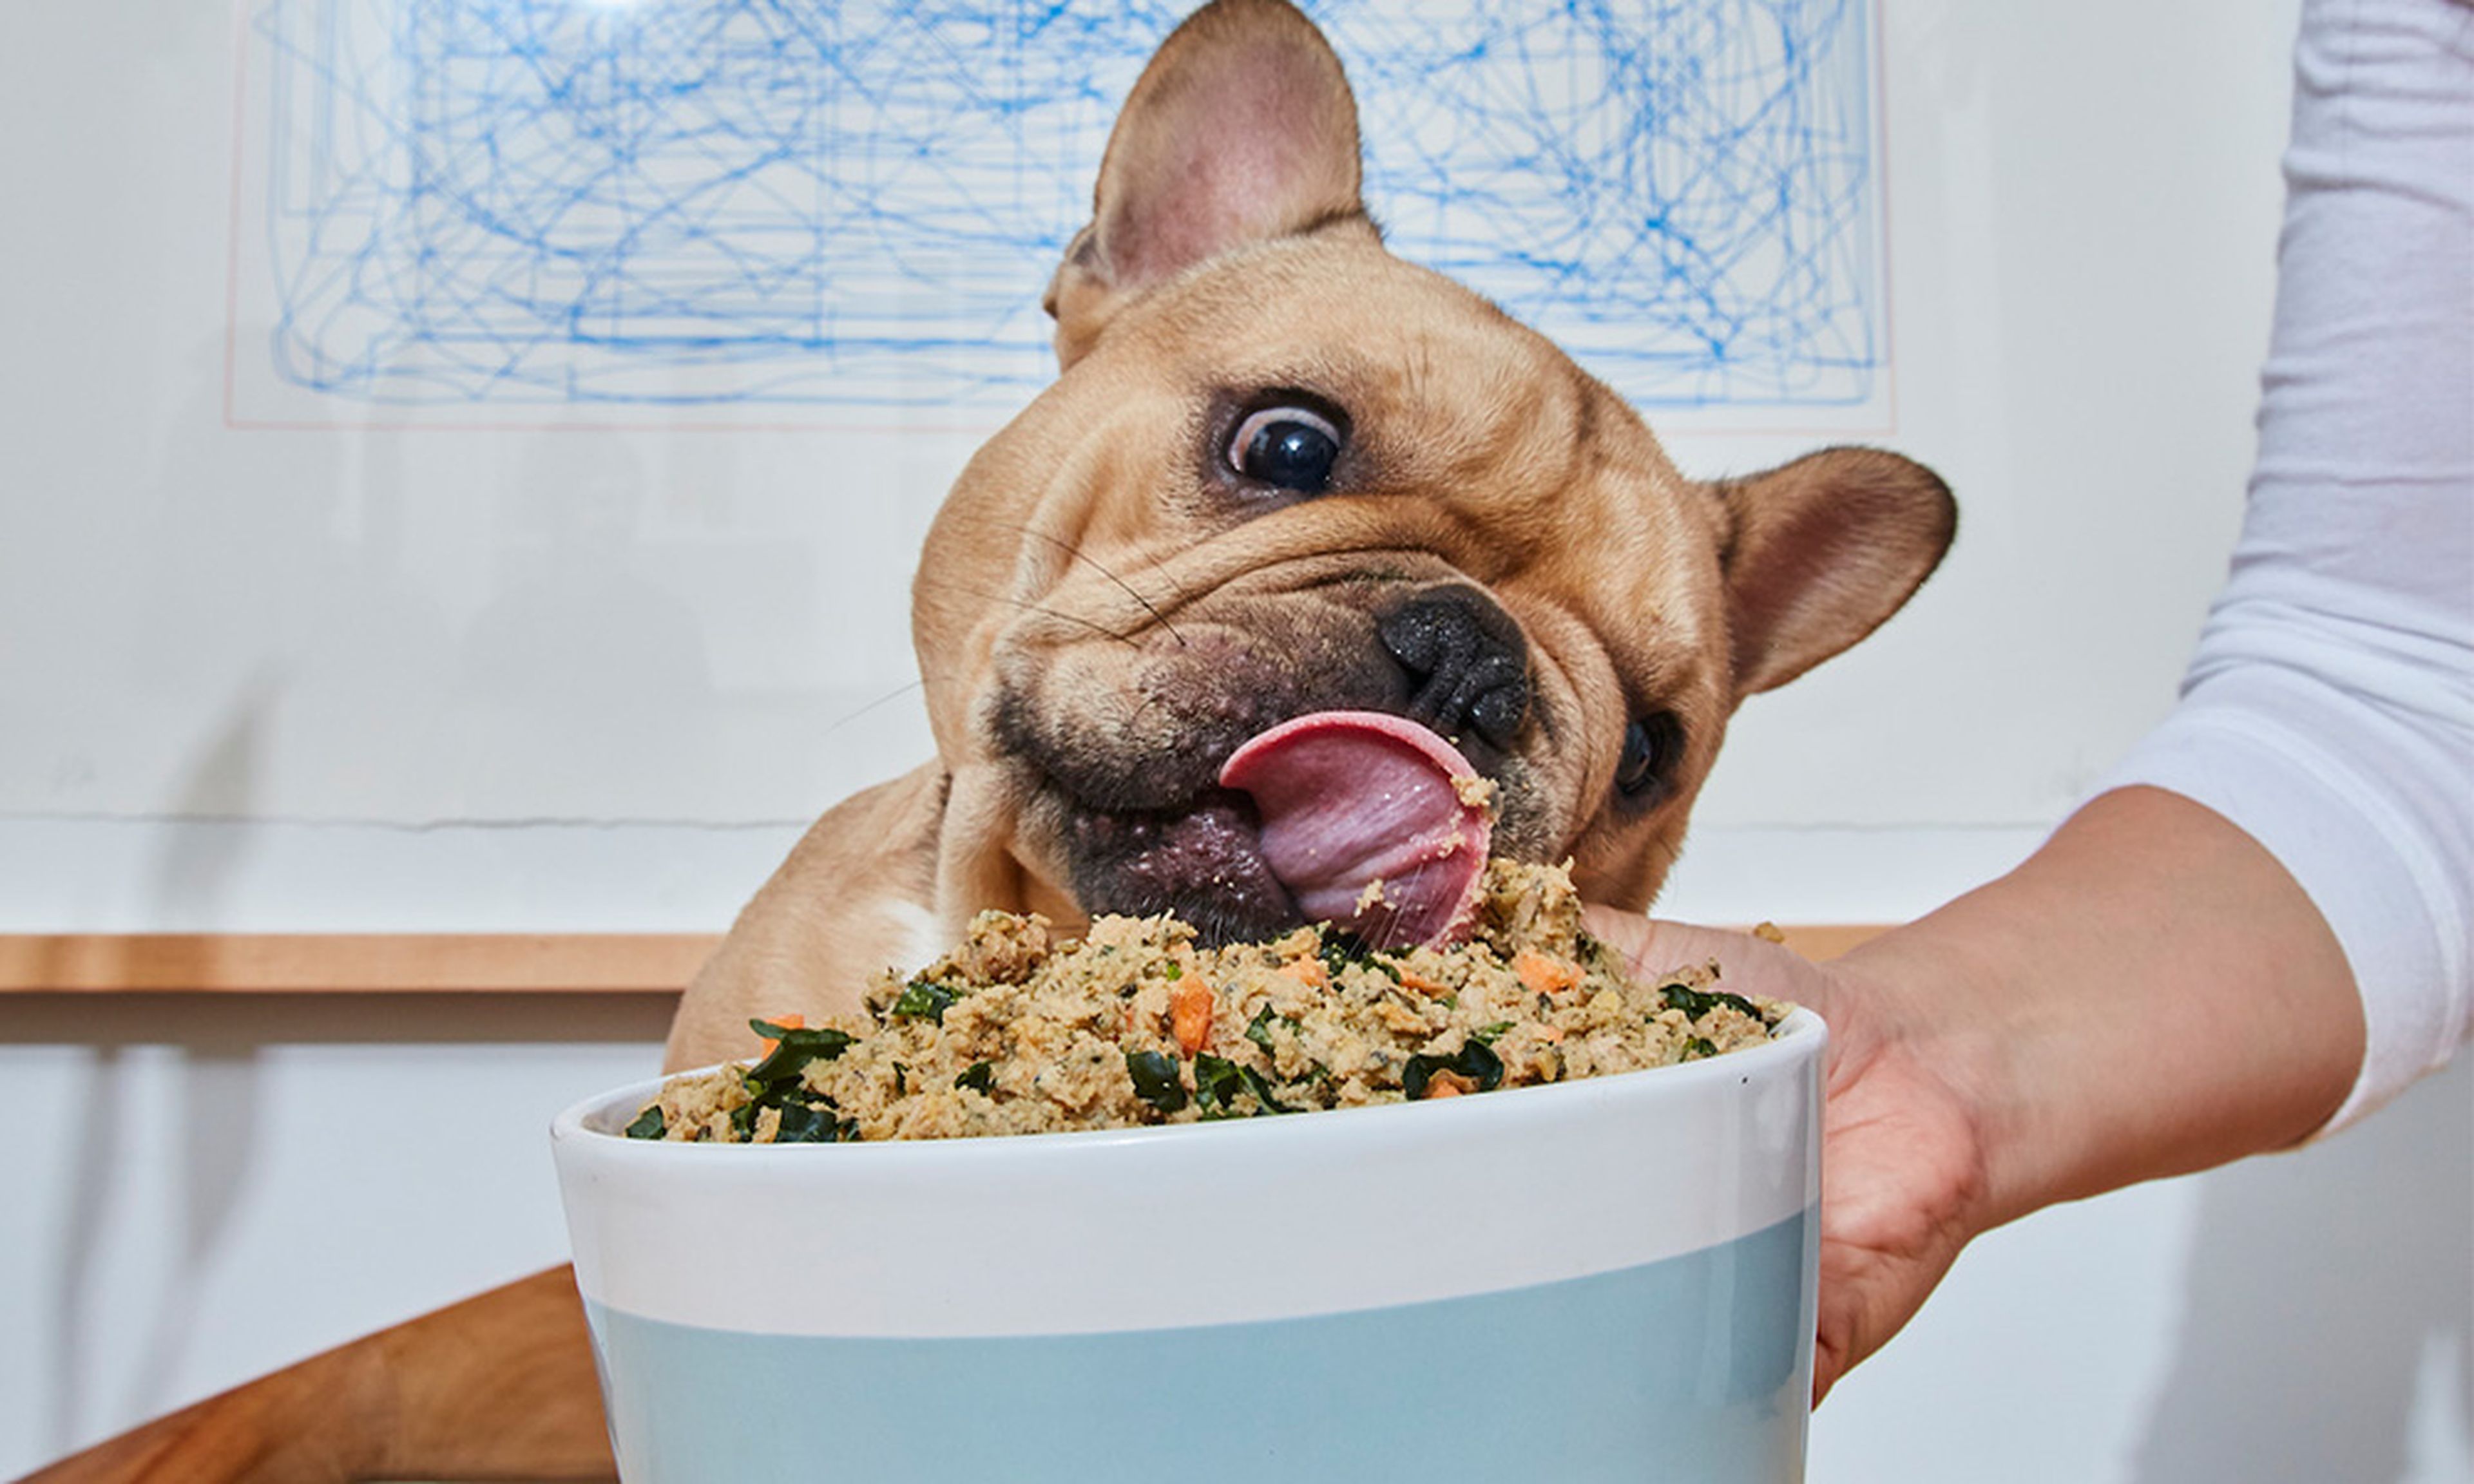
column 351, row 963
column 1819, row 941
column 428, row 962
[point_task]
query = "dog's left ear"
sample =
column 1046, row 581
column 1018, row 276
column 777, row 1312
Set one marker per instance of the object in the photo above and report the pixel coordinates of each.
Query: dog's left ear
column 1821, row 551
column 1241, row 129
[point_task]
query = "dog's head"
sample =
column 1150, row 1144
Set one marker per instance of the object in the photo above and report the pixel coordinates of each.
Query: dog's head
column 1285, row 472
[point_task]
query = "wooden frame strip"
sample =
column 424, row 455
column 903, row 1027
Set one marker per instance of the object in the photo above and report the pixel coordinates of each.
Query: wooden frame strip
column 351, row 963
column 1819, row 941
column 428, row 963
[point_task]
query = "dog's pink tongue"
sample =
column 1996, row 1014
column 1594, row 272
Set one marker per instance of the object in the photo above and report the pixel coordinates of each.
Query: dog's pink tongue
column 1371, row 821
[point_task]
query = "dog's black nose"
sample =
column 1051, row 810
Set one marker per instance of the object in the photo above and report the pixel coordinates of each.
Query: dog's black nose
column 1467, row 662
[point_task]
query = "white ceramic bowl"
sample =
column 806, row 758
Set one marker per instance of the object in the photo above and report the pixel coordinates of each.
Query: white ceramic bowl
column 1610, row 1278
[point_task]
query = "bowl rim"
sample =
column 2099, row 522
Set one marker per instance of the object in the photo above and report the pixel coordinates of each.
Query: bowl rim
column 593, row 1122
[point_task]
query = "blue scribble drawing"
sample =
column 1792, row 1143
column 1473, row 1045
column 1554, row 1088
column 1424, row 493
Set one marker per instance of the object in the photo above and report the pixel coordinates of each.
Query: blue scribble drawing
column 856, row 206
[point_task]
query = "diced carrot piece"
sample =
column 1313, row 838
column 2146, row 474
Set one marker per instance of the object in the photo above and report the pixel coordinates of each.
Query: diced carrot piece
column 1432, row 988
column 1543, row 975
column 1441, row 1086
column 793, row 1021
column 1308, row 971
column 1189, row 1015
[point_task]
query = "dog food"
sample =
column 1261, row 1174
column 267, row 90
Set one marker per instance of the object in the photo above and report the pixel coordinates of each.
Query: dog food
column 1134, row 1023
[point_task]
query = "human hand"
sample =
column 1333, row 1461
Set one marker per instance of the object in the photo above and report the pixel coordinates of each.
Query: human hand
column 1904, row 1180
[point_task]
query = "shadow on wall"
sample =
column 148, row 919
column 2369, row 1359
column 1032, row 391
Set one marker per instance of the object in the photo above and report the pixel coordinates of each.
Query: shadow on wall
column 2327, row 1289
column 215, row 1112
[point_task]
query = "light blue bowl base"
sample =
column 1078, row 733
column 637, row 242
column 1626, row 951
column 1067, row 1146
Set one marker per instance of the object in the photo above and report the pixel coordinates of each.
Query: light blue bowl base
column 1692, row 1369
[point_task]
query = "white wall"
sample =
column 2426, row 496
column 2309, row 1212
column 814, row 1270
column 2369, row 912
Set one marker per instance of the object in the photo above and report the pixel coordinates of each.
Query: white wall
column 247, row 683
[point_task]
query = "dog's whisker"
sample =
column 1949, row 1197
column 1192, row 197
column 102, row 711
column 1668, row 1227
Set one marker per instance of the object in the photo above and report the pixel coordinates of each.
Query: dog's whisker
column 1028, row 607
column 1405, row 885
column 916, row 687
column 1075, row 551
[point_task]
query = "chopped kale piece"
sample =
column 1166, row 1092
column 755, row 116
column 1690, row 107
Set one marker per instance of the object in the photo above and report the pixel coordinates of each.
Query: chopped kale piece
column 1489, row 1035
column 925, row 999
column 777, row 1082
column 1477, row 1061
column 979, row 1076
column 1156, row 1079
column 1261, row 1087
column 1696, row 1003
column 1699, row 1046
column 814, row 1123
column 649, row 1124
column 1258, row 1030
column 1217, row 1082
column 794, row 1047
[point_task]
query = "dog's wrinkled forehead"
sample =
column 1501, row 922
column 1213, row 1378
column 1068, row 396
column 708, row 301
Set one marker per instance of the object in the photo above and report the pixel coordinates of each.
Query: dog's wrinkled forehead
column 1436, row 395
column 1343, row 317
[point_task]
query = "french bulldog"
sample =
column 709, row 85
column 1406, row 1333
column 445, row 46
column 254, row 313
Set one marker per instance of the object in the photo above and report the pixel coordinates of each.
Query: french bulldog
column 1289, row 486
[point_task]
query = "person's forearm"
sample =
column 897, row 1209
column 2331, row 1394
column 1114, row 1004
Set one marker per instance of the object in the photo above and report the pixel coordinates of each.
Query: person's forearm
column 2150, row 994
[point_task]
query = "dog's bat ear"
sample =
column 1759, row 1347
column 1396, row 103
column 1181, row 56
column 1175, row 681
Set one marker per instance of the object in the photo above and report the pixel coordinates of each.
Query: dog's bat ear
column 1821, row 551
column 1241, row 129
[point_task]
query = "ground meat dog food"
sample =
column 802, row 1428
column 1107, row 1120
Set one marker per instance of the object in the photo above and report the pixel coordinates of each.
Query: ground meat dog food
column 1133, row 1024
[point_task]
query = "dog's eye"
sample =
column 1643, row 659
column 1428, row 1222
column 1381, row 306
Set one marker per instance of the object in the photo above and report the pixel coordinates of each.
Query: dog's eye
column 1652, row 746
column 1287, row 447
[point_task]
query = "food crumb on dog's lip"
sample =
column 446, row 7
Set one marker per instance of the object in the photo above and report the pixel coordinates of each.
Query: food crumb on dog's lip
column 1349, row 798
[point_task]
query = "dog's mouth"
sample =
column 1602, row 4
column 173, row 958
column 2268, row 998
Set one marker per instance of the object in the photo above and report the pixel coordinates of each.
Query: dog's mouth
column 1365, row 820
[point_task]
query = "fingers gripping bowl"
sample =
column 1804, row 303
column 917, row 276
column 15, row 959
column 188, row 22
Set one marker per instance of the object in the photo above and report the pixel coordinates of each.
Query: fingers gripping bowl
column 1610, row 1277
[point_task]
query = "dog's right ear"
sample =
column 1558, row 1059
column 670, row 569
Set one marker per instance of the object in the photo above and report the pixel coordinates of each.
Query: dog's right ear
column 1820, row 552
column 1241, row 129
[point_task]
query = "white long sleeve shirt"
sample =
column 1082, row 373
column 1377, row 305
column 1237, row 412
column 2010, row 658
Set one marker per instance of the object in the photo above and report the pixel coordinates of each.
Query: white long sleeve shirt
column 2329, row 710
